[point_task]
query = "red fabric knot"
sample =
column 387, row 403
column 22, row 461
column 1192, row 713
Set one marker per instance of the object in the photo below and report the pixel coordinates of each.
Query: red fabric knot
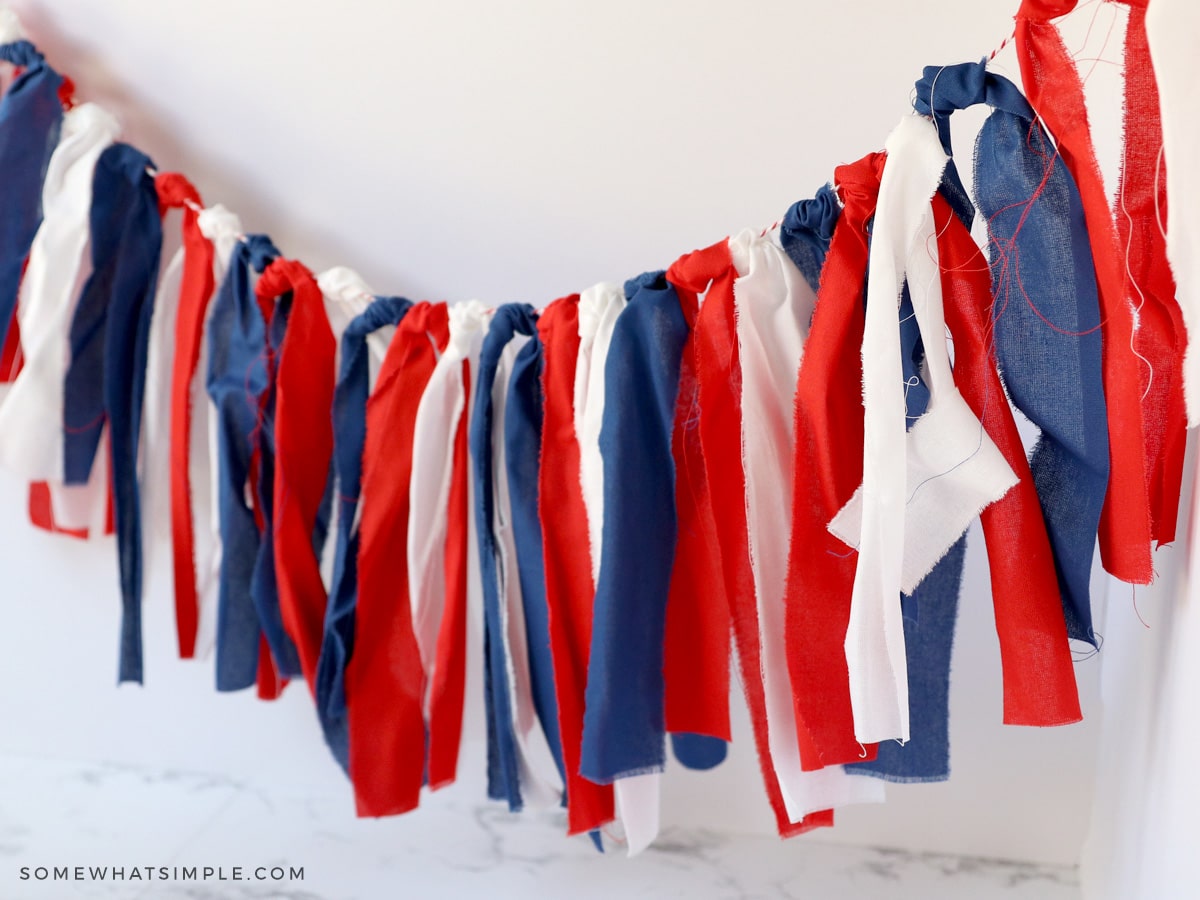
column 1045, row 10
column 174, row 191
column 858, row 182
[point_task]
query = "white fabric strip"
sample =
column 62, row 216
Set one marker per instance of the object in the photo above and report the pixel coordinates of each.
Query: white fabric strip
column 154, row 450
column 1172, row 28
column 224, row 229
column 774, row 305
column 31, row 415
column 599, row 307
column 953, row 467
column 541, row 786
column 438, row 417
column 875, row 638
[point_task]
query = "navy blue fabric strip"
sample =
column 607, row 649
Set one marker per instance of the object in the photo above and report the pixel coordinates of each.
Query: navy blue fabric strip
column 264, row 587
column 624, row 727
column 30, row 121
column 236, row 378
column 1047, row 312
column 509, row 320
column 349, row 436
column 522, row 451
column 105, row 380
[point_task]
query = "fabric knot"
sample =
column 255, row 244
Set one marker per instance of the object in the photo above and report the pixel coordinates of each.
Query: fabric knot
column 817, row 215
column 1045, row 10
column 512, row 319
column 943, row 90
column 858, row 182
column 343, row 285
column 217, row 222
column 261, row 251
column 280, row 276
column 384, row 311
column 20, row 53
column 693, row 272
column 174, row 190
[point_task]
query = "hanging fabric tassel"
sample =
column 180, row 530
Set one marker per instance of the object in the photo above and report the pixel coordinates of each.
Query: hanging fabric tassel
column 522, row 435
column 303, row 449
column 237, row 379
column 30, row 120
column 1036, row 224
column 1055, row 92
column 443, row 566
column 31, row 414
column 1039, row 682
column 106, row 377
column 827, row 468
column 384, row 681
column 349, row 423
column 514, row 772
column 1160, row 337
column 194, row 440
column 183, row 294
column 568, row 562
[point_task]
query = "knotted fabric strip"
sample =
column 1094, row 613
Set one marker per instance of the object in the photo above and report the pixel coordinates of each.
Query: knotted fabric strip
column 30, row 120
column 827, row 469
column 303, row 449
column 1055, row 92
column 384, row 680
column 177, row 328
column 349, row 427
column 237, row 379
column 1025, row 193
column 105, row 381
column 568, row 560
column 31, row 414
column 515, row 774
column 440, row 553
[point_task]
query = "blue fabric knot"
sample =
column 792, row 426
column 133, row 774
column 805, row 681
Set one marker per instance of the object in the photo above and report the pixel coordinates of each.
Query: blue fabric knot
column 806, row 231
column 21, row 53
column 260, row 252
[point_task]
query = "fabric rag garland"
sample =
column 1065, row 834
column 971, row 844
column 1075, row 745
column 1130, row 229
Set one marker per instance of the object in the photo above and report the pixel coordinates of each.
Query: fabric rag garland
column 765, row 447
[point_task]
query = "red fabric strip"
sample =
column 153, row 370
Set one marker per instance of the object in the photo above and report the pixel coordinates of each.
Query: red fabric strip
column 698, row 627
column 1140, row 208
column 384, row 677
column 1055, row 92
column 1039, row 676
column 447, row 691
column 827, row 470
column 714, row 345
column 196, row 289
column 303, row 446
column 567, row 555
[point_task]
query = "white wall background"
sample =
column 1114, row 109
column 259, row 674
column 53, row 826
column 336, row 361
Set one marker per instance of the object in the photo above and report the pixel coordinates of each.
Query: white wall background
column 512, row 151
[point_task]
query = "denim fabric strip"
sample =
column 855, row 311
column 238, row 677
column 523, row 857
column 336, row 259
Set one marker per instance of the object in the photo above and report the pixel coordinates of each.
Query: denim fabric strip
column 623, row 728
column 264, row 587
column 106, row 377
column 1047, row 314
column 807, row 229
column 522, row 442
column 503, row 771
column 236, row 378
column 349, row 430
column 30, row 120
